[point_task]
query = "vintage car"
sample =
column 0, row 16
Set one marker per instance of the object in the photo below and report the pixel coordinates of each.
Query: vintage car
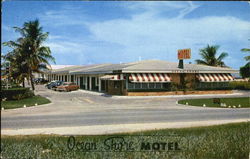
column 40, row 80
column 67, row 86
column 53, row 84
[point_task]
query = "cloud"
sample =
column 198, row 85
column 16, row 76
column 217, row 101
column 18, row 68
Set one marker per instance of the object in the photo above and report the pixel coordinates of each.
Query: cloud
column 187, row 10
column 152, row 30
column 66, row 16
column 159, row 37
column 149, row 32
column 6, row 28
column 169, row 32
column 153, row 9
column 65, row 47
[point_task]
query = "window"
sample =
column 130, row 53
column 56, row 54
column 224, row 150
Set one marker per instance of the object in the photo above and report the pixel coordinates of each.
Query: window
column 144, row 85
column 151, row 85
column 158, row 85
column 130, row 85
column 137, row 85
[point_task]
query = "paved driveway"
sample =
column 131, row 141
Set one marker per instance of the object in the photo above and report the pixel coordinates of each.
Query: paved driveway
column 83, row 108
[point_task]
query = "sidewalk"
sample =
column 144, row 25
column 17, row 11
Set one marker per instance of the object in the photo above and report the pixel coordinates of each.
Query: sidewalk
column 119, row 128
column 148, row 97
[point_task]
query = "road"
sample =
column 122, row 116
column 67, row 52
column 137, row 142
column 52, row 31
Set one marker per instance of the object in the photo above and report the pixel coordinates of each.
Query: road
column 83, row 108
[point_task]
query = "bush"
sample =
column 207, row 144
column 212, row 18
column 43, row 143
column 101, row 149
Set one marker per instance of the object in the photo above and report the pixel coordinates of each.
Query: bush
column 10, row 84
column 16, row 93
column 243, row 85
column 148, row 90
column 245, row 70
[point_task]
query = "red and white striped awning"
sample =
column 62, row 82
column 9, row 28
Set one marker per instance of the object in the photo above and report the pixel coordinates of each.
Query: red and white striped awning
column 114, row 77
column 215, row 77
column 149, row 77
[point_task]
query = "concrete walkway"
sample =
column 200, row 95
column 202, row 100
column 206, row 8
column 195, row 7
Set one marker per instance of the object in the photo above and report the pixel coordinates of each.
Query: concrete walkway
column 235, row 93
column 118, row 128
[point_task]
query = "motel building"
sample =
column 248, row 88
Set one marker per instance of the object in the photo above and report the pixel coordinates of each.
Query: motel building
column 148, row 77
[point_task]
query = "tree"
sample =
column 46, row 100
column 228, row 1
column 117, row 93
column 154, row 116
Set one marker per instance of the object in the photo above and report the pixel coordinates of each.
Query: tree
column 247, row 58
column 16, row 59
column 209, row 58
column 30, row 47
column 245, row 71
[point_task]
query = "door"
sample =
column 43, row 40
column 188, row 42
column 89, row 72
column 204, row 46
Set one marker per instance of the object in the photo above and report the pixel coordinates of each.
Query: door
column 81, row 83
column 102, row 85
column 93, row 83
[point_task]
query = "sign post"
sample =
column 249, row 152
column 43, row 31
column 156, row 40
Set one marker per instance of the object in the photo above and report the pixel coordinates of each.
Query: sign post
column 183, row 54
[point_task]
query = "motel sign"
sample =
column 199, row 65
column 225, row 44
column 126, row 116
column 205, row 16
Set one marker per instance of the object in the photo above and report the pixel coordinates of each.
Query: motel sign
column 184, row 54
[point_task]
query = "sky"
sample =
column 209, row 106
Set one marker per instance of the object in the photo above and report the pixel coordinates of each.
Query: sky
column 85, row 32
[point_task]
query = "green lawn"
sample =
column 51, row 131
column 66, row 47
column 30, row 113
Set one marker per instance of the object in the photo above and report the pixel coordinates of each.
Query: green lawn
column 229, row 141
column 244, row 102
column 27, row 101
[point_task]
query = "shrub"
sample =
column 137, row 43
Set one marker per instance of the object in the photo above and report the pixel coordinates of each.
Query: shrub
column 10, row 84
column 148, row 90
column 16, row 93
column 243, row 85
column 245, row 70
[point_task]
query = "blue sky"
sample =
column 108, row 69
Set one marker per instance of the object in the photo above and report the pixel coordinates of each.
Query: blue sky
column 83, row 32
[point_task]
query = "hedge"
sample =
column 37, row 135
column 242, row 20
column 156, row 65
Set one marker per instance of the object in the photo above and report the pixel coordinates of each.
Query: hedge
column 149, row 90
column 16, row 93
column 243, row 85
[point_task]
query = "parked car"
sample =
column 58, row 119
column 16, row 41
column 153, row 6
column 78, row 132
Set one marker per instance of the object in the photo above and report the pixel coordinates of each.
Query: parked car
column 48, row 84
column 40, row 80
column 68, row 86
column 54, row 84
column 58, row 83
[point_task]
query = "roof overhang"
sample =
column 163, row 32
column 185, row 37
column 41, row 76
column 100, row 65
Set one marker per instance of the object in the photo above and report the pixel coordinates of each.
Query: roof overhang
column 90, row 73
column 180, row 71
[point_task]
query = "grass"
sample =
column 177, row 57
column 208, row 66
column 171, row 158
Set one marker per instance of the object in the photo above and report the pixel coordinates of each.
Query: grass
column 230, row 141
column 243, row 101
column 26, row 101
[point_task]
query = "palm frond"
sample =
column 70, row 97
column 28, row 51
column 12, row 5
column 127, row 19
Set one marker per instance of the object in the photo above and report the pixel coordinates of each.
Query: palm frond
column 222, row 56
column 247, row 58
column 201, row 62
column 245, row 50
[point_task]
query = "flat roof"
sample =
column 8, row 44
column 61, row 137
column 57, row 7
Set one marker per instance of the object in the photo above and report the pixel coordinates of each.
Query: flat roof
column 150, row 66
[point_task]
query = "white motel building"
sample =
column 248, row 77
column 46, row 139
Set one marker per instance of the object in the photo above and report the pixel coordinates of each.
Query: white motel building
column 148, row 77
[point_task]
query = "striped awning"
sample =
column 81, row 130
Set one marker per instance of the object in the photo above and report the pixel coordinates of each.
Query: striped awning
column 149, row 77
column 215, row 77
column 114, row 77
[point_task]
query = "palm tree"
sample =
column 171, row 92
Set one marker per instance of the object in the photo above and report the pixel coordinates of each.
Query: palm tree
column 247, row 58
column 17, row 61
column 31, row 48
column 208, row 56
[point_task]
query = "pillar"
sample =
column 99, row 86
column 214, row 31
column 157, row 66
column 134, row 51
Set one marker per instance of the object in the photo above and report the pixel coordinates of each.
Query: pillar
column 100, row 84
column 90, row 83
column 86, row 82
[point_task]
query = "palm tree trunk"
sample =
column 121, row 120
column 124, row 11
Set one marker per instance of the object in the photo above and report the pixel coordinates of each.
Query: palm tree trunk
column 23, row 82
column 31, row 80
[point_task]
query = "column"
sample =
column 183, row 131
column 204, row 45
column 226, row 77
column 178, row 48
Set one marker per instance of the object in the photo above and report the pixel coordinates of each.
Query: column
column 86, row 82
column 100, row 84
column 90, row 83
